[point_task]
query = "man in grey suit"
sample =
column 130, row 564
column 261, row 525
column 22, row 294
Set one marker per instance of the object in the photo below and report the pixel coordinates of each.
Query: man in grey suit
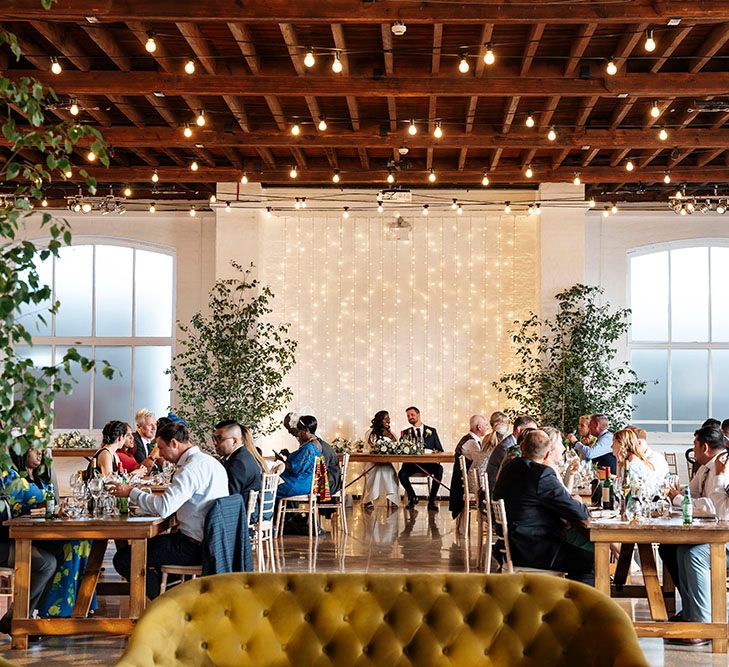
column 497, row 457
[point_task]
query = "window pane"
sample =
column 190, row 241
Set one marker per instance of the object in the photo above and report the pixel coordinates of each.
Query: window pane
column 40, row 354
column 651, row 365
column 686, row 428
column 114, row 267
column 653, row 428
column 689, row 384
column 690, row 294
column 74, row 275
column 154, row 294
column 74, row 410
column 31, row 311
column 719, row 294
column 112, row 397
column 720, row 384
column 151, row 385
column 649, row 296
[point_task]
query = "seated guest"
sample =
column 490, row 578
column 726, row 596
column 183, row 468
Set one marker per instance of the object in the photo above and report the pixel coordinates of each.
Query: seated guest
column 106, row 461
column 725, row 430
column 656, row 459
column 298, row 466
column 499, row 423
column 499, row 454
column 709, row 499
column 380, row 478
column 126, row 452
column 711, row 423
column 538, row 508
column 145, row 434
column 470, row 447
column 429, row 437
column 631, row 463
column 331, row 458
column 599, row 453
column 240, row 458
column 199, row 480
column 565, row 470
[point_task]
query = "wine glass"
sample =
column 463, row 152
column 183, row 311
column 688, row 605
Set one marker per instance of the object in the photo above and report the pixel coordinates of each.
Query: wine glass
column 96, row 488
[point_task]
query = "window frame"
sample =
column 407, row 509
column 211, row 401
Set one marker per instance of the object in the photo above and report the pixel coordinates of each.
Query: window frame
column 670, row 345
column 94, row 341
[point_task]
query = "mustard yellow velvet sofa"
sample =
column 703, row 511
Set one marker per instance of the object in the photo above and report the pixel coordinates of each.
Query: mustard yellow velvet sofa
column 394, row 620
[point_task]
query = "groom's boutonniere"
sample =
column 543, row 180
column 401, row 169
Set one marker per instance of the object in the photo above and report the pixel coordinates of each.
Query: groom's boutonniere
column 428, row 431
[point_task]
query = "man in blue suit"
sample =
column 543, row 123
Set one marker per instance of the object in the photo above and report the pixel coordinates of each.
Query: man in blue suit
column 419, row 431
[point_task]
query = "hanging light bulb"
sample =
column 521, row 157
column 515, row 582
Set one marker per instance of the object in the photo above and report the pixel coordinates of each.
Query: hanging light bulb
column 194, row 166
column 459, row 210
column 663, row 135
column 91, row 156
column 530, row 210
column 293, row 173
column 322, row 124
column 463, row 66
column 295, row 130
column 200, row 120
column 629, row 166
column 551, row 135
column 297, row 204
column 650, row 43
column 606, row 212
column 485, row 179
column 489, row 58
column 614, row 209
column 390, row 177
column 438, row 131
column 529, row 171
column 190, row 67
column 611, row 68
column 244, row 179
column 537, row 209
column 213, row 199
column 380, row 207
column 152, row 208
column 150, row 44
column 679, row 194
column 655, row 111
column 431, row 176
column 269, row 212
column 682, row 211
column 187, row 131
column 127, row 191
column 345, row 213
column 592, row 202
column 454, row 205
column 425, row 209
column 68, row 173
column 155, row 177
column 412, row 129
column 303, row 202
column 335, row 176
column 193, row 212
column 507, row 207
column 309, row 59
column 56, row 66
column 576, row 180
column 530, row 121
column 86, row 207
column 227, row 207
column 667, row 178
column 336, row 63
column 73, row 109
column 44, row 203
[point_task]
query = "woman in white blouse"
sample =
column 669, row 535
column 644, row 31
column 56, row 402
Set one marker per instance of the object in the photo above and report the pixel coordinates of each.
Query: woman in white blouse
column 381, row 479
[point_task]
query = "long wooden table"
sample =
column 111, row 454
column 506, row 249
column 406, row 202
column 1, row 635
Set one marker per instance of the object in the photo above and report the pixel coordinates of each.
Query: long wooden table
column 603, row 532
column 136, row 529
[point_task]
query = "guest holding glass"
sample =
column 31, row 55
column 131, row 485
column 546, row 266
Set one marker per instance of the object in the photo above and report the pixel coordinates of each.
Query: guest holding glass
column 381, row 479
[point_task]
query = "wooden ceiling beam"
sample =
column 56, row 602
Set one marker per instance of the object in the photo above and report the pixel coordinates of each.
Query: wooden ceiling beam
column 672, row 43
column 486, row 34
column 291, row 40
column 244, row 40
column 108, row 43
column 632, row 35
column 57, row 36
column 339, row 42
column 357, row 12
column 709, row 157
column 579, row 46
column 200, row 46
column 532, row 44
column 718, row 37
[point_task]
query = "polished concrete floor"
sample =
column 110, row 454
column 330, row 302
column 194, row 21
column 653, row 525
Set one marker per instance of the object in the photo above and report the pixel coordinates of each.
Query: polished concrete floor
column 379, row 541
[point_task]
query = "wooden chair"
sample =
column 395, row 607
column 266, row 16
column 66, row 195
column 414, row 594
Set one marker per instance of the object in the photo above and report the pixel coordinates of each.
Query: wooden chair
column 470, row 479
column 185, row 572
column 6, row 589
column 339, row 498
column 310, row 501
column 487, row 535
column 263, row 528
column 690, row 462
column 671, row 460
column 499, row 511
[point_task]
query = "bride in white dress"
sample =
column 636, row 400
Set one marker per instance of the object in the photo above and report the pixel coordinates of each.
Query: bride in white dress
column 381, row 479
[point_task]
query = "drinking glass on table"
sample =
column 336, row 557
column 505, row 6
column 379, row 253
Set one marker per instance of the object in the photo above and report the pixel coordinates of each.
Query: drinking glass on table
column 96, row 488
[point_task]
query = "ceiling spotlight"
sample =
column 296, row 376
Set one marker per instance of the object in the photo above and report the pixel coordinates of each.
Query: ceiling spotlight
column 244, row 179
column 507, row 207
column 390, row 177
column 150, row 44
column 213, row 199
column 190, row 67
column 56, row 66
column 336, row 63
column 412, row 129
column 398, row 28
column 614, row 209
column 650, row 43
column 431, row 176
column 293, row 173
column 187, row 131
column 345, row 213
column 463, row 66
column 194, row 166
column 127, row 192
column 155, row 177
column 227, row 207
column 152, row 208
column 551, row 135
column 438, row 131
column 200, row 120
column 335, row 176
column 576, row 180
column 485, row 179
column 529, row 171
column 91, row 156
column 667, row 178
column 611, row 68
column 655, row 111
column 295, row 130
column 322, row 124
column 489, row 58
column 530, row 121
column 592, row 202
column 193, row 212
column 663, row 135
column 629, row 166
column 309, row 59
column 73, row 109
column 425, row 209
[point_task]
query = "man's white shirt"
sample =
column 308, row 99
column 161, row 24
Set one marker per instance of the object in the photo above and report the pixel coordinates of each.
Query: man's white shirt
column 706, row 489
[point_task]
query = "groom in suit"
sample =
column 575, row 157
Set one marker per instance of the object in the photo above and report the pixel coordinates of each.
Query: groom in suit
column 429, row 436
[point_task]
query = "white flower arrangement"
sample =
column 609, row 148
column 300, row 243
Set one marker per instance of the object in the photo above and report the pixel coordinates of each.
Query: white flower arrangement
column 403, row 446
column 346, row 446
column 74, row 440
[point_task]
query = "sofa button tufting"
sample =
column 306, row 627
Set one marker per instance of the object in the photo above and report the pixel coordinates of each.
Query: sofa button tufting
column 406, row 589
column 226, row 612
column 366, row 650
column 307, row 618
column 446, row 651
column 445, row 588
column 265, row 613
column 188, row 618
column 327, row 588
column 345, row 618
column 366, row 588
column 204, row 646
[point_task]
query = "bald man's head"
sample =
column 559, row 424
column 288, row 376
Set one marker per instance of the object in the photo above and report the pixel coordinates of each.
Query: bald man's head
column 478, row 425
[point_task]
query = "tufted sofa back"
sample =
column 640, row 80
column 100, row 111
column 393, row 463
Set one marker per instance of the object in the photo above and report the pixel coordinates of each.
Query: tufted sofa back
column 394, row 620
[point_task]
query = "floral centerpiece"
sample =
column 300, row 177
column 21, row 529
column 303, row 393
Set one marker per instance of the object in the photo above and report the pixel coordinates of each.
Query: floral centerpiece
column 346, row 446
column 402, row 446
column 74, row 440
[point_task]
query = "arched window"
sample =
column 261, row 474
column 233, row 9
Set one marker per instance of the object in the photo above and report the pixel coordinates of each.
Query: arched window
column 679, row 335
column 117, row 303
